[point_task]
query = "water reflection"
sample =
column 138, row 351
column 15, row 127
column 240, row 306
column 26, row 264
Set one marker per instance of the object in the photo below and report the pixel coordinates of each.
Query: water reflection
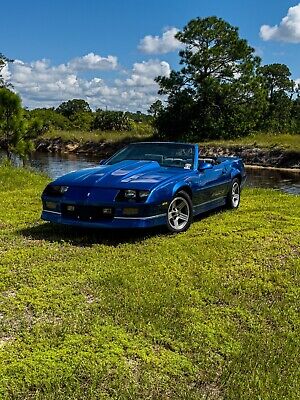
column 55, row 165
column 271, row 178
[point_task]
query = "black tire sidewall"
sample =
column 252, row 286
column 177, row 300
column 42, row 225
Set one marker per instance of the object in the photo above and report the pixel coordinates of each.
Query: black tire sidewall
column 185, row 196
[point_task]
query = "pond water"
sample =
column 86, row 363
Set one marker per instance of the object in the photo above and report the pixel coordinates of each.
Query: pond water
column 55, row 165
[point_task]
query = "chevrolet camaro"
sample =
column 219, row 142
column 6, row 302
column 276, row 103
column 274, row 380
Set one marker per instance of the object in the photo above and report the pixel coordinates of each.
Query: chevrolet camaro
column 145, row 185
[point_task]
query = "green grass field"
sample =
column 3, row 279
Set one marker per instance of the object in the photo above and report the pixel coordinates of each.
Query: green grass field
column 209, row 314
column 263, row 140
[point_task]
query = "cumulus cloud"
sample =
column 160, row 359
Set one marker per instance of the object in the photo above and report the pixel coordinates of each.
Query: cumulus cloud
column 93, row 61
column 287, row 31
column 160, row 45
column 140, row 87
column 42, row 71
column 42, row 84
column 144, row 73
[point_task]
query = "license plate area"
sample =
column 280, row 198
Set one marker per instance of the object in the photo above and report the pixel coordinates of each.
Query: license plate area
column 86, row 213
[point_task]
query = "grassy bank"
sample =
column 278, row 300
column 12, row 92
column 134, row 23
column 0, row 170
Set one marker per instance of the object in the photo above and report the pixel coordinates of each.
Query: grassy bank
column 140, row 131
column 263, row 140
column 145, row 132
column 208, row 314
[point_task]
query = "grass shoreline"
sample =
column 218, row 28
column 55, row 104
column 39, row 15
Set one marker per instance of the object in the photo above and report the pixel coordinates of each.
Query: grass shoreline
column 281, row 151
column 264, row 141
column 278, row 151
column 293, row 170
column 261, row 140
column 208, row 314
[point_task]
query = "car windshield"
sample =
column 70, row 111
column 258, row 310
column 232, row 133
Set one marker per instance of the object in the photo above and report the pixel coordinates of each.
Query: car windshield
column 166, row 154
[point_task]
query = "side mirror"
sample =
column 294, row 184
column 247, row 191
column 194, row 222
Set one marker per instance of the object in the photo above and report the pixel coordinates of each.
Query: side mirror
column 204, row 165
column 102, row 162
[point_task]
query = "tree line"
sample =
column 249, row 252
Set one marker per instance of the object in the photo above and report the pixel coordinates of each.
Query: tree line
column 222, row 90
column 19, row 127
column 76, row 114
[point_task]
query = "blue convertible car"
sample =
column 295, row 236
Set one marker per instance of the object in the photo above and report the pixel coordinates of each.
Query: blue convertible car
column 144, row 185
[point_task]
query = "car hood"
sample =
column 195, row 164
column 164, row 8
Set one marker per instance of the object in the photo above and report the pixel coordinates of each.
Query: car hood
column 125, row 174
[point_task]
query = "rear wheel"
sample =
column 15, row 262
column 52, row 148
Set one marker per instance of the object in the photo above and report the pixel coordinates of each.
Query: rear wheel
column 180, row 213
column 234, row 194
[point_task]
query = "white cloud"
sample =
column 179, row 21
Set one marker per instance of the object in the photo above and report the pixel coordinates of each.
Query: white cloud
column 160, row 45
column 143, row 73
column 42, row 84
column 93, row 61
column 287, row 31
column 140, row 88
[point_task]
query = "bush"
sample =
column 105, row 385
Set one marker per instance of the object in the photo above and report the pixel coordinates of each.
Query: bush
column 82, row 121
column 111, row 121
column 71, row 107
column 50, row 119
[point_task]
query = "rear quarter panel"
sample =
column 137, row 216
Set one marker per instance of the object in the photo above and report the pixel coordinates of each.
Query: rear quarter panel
column 236, row 167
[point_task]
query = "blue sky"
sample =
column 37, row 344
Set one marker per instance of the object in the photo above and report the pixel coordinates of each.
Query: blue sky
column 109, row 52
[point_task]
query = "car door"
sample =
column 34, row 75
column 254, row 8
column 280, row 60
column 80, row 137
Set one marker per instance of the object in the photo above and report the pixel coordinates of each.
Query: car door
column 211, row 184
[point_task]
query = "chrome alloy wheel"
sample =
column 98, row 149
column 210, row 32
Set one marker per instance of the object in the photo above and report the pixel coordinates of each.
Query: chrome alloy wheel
column 178, row 213
column 235, row 194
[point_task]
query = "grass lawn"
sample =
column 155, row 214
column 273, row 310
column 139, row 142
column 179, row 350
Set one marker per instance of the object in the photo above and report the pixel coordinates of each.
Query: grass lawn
column 263, row 140
column 209, row 314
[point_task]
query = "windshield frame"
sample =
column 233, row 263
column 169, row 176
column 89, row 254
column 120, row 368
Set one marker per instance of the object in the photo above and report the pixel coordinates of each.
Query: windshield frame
column 194, row 148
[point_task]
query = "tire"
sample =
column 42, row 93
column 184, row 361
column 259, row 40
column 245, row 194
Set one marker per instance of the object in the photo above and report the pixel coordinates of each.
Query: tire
column 180, row 213
column 234, row 195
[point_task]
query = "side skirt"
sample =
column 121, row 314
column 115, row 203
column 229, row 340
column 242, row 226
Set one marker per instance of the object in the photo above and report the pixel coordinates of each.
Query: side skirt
column 209, row 205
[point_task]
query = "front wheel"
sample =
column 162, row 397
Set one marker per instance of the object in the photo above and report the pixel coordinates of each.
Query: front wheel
column 180, row 213
column 234, row 194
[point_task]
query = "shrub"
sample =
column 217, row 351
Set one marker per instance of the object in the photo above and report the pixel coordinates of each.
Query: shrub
column 111, row 121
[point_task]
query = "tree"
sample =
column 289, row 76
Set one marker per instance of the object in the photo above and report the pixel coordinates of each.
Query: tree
column 276, row 79
column 50, row 119
column 156, row 108
column 296, row 110
column 16, row 131
column 217, row 92
column 138, row 116
column 111, row 121
column 280, row 89
column 3, row 62
column 72, row 107
column 82, row 121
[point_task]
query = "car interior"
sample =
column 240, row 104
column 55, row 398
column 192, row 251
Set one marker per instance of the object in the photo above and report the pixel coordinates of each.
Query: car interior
column 168, row 161
column 210, row 160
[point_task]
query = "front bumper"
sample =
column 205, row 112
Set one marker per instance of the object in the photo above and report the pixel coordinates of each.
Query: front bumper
column 93, row 214
column 117, row 222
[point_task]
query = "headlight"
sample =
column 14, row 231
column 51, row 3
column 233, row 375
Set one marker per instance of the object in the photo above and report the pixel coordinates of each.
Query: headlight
column 133, row 195
column 130, row 194
column 63, row 189
column 55, row 190
column 143, row 194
